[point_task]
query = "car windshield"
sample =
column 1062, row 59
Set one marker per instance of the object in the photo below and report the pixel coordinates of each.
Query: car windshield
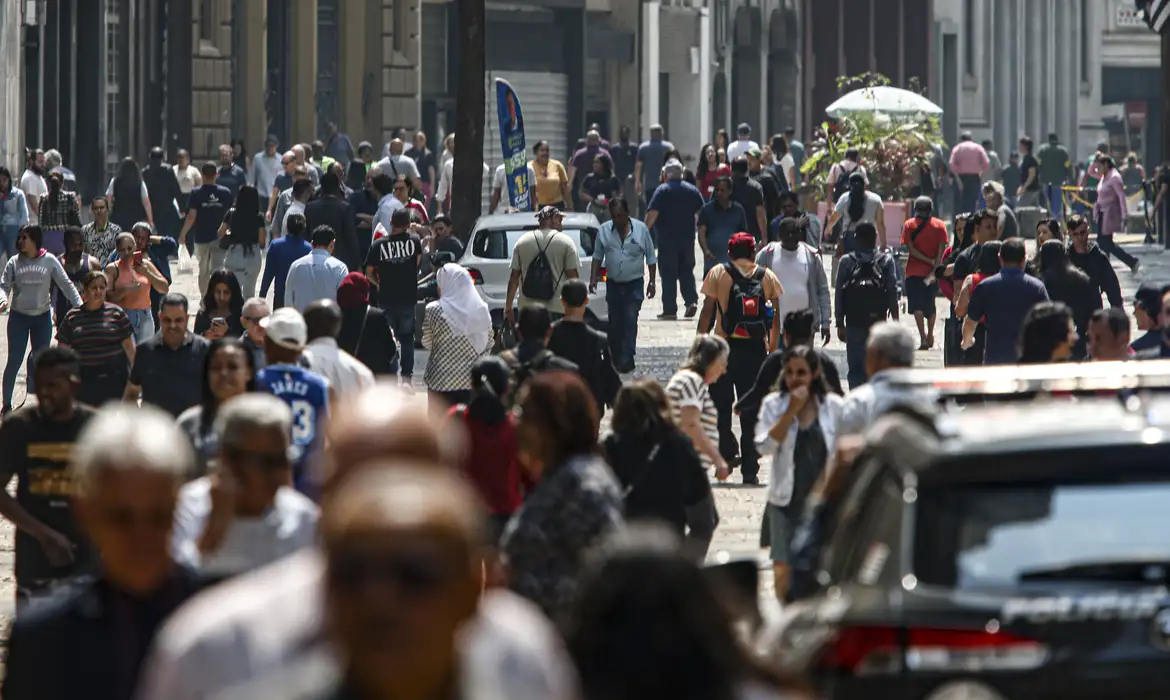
column 498, row 244
column 991, row 536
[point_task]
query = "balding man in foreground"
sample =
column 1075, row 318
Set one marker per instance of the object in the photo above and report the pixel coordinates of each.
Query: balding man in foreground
column 268, row 623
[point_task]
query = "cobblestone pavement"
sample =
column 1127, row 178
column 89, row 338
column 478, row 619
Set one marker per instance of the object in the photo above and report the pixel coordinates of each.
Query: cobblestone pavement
column 661, row 346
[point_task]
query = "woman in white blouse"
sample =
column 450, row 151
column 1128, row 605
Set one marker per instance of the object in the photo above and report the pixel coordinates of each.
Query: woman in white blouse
column 798, row 425
column 457, row 329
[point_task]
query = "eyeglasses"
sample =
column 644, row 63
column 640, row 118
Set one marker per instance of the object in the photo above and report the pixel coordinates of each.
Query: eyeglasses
column 414, row 573
column 254, row 319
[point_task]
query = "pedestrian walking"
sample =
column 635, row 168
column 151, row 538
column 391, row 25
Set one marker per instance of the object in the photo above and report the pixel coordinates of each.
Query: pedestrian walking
column 1067, row 284
column 283, row 252
column 736, row 295
column 624, row 249
column 1029, row 192
column 102, row 336
column 1055, row 172
column 1108, row 333
column 164, row 193
column 532, row 355
column 346, row 375
column 1003, row 300
column 100, row 234
column 457, row 329
column 926, row 238
column 168, row 368
column 573, row 339
column 221, row 307
column 1112, row 211
column 856, row 207
column 968, row 162
column 392, row 266
column 1147, row 310
column 243, row 515
column 205, row 213
column 749, row 194
column 798, row 425
column 1093, row 260
column 77, row 264
column 866, row 294
column 32, row 183
column 128, row 196
column 365, row 331
column 331, row 209
column 798, row 268
column 58, row 212
column 316, row 275
column 672, row 212
column 243, row 237
column 267, row 165
column 128, row 464
column 742, row 144
column 50, row 549
column 649, row 163
column 987, row 265
column 719, row 221
column 230, row 174
column 1047, row 334
column 229, row 370
column 583, row 163
column 14, row 212
column 691, row 403
column 542, row 261
column 599, row 188
column 255, row 310
column 809, row 223
column 26, row 294
column 552, row 186
column 891, row 347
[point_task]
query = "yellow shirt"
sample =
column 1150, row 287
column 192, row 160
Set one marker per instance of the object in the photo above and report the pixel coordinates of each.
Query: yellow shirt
column 548, row 182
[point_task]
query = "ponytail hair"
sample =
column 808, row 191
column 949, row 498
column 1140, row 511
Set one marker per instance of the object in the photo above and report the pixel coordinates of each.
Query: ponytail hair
column 856, row 197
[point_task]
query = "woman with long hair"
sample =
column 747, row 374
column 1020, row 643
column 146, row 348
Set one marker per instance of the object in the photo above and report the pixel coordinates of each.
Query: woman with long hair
column 58, row 211
column 709, row 169
column 722, row 141
column 599, row 188
column 25, row 293
column 491, row 459
column 857, row 206
column 244, row 235
column 222, row 308
column 228, row 372
column 964, row 236
column 577, row 501
column 131, row 278
column 1111, row 211
column 989, row 264
column 651, row 623
column 457, row 329
column 103, row 338
column 1048, row 334
column 13, row 212
column 1067, row 283
column 785, row 163
column 1046, row 230
column 240, row 153
column 128, row 197
column 660, row 472
column 552, row 180
column 798, row 425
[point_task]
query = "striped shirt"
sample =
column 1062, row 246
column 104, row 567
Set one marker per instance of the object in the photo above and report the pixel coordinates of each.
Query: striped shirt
column 96, row 336
column 687, row 388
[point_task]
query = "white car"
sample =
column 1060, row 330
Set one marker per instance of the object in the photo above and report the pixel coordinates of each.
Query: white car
column 489, row 257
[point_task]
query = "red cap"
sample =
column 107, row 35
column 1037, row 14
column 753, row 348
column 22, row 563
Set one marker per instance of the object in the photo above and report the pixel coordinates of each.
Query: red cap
column 741, row 241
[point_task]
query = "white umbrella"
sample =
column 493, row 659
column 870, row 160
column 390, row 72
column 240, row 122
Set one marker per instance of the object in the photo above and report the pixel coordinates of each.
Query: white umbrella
column 885, row 100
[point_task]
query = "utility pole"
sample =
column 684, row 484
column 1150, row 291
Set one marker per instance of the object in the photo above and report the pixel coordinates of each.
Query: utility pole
column 467, row 174
column 1157, row 15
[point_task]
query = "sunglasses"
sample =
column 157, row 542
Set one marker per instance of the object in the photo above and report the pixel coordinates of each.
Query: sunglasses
column 263, row 460
column 415, row 573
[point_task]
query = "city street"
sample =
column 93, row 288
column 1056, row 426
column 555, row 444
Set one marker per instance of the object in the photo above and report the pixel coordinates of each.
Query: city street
column 661, row 346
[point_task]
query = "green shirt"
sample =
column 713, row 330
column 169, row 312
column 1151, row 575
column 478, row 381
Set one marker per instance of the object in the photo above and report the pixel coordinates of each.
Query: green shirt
column 1054, row 164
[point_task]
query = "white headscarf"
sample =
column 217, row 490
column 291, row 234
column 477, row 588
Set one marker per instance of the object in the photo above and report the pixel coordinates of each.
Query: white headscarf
column 466, row 313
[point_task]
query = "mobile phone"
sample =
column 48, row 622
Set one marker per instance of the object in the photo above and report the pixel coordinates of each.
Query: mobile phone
column 218, row 321
column 138, row 257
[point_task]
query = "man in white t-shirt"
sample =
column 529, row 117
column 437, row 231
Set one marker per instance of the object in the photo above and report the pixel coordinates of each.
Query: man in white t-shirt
column 244, row 515
column 346, row 374
column 798, row 267
column 499, row 188
column 744, row 143
column 397, row 164
column 32, row 183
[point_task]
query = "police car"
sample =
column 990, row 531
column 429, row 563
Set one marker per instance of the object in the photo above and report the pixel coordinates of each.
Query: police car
column 997, row 553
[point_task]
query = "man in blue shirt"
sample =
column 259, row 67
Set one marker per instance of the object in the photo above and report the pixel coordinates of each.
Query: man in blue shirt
column 308, row 395
column 719, row 220
column 673, row 209
column 623, row 248
column 205, row 212
column 285, row 250
column 317, row 275
column 1003, row 301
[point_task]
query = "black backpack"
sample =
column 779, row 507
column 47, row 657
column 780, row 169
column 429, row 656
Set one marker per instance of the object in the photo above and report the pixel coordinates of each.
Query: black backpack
column 745, row 315
column 523, row 371
column 539, row 282
column 866, row 296
column 841, row 186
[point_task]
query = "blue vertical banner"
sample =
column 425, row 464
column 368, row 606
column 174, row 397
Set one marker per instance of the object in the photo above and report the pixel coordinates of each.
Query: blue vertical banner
column 512, row 142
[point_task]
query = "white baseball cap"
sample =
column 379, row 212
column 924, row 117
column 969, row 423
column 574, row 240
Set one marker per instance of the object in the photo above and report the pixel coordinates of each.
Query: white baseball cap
column 286, row 327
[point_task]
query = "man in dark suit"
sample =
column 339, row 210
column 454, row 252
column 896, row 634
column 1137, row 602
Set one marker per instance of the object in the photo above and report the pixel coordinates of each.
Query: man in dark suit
column 163, row 187
column 331, row 209
column 89, row 641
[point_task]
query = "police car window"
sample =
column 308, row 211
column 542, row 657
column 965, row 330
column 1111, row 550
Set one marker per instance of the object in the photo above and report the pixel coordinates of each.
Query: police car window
column 497, row 245
column 973, row 536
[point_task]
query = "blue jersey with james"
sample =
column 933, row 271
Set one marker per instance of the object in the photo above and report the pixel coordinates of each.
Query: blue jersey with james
column 307, row 395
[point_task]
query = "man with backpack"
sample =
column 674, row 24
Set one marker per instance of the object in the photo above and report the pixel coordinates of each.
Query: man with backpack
column 867, row 292
column 574, row 340
column 736, row 297
column 542, row 260
column 531, row 355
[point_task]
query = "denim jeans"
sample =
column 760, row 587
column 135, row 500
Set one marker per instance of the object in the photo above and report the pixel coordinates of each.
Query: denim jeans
column 401, row 318
column 23, row 328
column 855, row 339
column 625, row 301
column 676, row 263
column 142, row 322
column 1054, row 199
column 8, row 239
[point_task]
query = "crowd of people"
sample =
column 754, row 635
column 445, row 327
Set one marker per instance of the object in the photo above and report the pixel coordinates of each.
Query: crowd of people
column 249, row 495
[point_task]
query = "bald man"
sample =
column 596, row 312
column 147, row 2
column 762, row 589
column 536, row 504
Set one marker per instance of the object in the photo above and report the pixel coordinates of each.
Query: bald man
column 270, row 622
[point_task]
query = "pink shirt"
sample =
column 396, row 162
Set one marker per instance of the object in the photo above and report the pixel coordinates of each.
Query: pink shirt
column 969, row 158
column 1111, row 197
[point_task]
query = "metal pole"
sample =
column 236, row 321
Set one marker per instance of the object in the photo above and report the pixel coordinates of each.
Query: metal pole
column 42, row 8
column 1163, row 224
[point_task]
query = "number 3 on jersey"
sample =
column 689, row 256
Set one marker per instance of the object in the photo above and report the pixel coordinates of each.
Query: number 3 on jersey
column 304, row 423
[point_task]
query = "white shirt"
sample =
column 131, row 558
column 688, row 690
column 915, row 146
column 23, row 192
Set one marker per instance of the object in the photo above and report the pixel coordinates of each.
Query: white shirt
column 499, row 185
column 189, row 178
column 399, row 165
column 297, row 207
column 289, row 525
column 386, row 207
column 740, row 147
column 346, row 374
column 33, row 185
column 449, row 171
column 792, row 269
column 787, row 163
column 784, row 454
column 315, row 276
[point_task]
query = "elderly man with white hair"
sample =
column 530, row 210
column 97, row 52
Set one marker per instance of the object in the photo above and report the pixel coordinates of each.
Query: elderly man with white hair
column 1009, row 225
column 244, row 514
column 890, row 346
column 127, row 468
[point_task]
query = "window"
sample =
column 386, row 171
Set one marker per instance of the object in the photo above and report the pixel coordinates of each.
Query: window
column 207, row 21
column 969, row 37
column 497, row 245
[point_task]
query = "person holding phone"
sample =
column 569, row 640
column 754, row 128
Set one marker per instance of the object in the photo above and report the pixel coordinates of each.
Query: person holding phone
column 222, row 308
column 131, row 278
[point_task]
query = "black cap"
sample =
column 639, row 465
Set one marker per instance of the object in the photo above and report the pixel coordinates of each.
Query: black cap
column 1149, row 297
column 744, row 128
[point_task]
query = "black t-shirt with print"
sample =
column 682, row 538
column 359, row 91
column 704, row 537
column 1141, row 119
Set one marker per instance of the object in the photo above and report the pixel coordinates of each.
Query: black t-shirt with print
column 38, row 452
column 397, row 258
column 1027, row 165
